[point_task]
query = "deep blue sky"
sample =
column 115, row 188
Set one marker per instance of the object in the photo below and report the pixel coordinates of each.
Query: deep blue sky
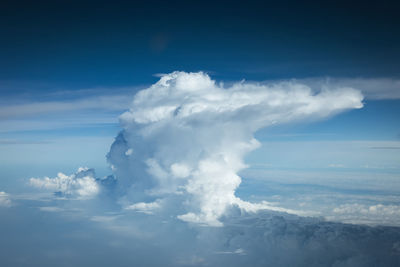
column 75, row 44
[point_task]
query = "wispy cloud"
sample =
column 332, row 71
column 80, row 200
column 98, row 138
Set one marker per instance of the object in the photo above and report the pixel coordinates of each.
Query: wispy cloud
column 385, row 147
column 105, row 103
column 367, row 214
column 18, row 142
column 63, row 109
column 5, row 201
column 372, row 88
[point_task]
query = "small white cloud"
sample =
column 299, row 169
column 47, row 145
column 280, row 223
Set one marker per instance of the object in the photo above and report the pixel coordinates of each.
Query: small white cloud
column 148, row 208
column 180, row 170
column 51, row 209
column 367, row 214
column 238, row 251
column 129, row 152
column 82, row 184
column 4, row 199
column 336, row 165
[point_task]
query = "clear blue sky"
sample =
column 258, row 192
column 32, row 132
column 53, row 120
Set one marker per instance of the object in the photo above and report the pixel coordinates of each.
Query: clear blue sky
column 71, row 44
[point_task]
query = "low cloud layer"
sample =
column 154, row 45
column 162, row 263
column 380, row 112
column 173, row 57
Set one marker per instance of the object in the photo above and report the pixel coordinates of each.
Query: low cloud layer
column 71, row 237
column 268, row 239
column 367, row 214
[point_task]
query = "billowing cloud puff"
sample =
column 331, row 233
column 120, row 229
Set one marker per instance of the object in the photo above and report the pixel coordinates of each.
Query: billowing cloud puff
column 4, row 200
column 82, row 184
column 185, row 138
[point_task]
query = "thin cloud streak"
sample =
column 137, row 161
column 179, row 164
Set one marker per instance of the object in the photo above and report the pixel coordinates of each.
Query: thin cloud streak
column 372, row 88
column 106, row 103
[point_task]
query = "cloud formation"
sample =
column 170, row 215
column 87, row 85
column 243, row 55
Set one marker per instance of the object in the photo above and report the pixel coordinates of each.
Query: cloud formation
column 367, row 214
column 372, row 88
column 28, row 109
column 82, row 184
column 185, row 138
column 4, row 199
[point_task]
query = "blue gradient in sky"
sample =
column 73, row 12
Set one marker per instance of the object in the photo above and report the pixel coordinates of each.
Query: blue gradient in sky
column 81, row 54
column 88, row 44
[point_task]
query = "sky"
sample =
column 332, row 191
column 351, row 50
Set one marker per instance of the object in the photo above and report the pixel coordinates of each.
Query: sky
column 199, row 133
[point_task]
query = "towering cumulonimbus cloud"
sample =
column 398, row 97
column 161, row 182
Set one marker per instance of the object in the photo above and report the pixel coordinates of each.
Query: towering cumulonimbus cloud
column 184, row 139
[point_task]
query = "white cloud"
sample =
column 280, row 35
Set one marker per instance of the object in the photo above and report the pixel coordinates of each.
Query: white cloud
column 238, row 251
column 82, row 184
column 103, row 219
column 367, row 214
column 180, row 170
column 189, row 136
column 30, row 108
column 4, row 199
column 336, row 165
column 129, row 152
column 372, row 88
column 148, row 208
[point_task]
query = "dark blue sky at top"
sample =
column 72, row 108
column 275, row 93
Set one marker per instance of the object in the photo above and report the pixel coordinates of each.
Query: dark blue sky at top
column 78, row 44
